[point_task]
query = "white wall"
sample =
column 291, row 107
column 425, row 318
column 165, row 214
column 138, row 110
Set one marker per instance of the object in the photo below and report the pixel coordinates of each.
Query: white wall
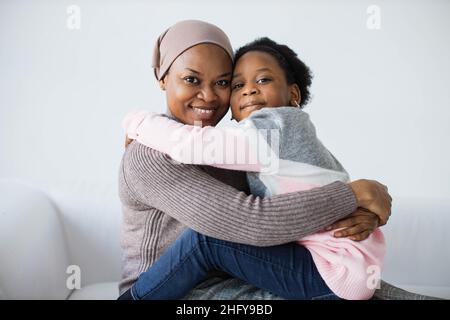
column 380, row 97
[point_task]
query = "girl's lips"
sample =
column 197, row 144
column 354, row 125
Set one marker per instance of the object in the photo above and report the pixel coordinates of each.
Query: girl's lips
column 252, row 107
column 252, row 104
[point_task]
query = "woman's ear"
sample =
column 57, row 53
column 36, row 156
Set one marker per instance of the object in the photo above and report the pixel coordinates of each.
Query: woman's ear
column 296, row 96
column 162, row 84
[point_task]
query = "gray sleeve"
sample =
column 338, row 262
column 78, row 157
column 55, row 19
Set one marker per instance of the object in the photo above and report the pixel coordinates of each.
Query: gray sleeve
column 216, row 209
column 298, row 138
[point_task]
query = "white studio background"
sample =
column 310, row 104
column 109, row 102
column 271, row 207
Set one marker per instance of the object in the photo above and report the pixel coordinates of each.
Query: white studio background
column 380, row 95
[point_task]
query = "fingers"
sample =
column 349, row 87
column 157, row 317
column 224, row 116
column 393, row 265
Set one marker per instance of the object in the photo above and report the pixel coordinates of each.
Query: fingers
column 127, row 141
column 361, row 224
column 343, row 223
column 383, row 219
column 361, row 215
column 360, row 236
column 384, row 212
column 389, row 203
column 359, row 228
column 377, row 200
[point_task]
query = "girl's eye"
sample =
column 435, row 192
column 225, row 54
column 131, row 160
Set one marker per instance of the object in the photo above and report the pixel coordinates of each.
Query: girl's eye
column 223, row 83
column 263, row 80
column 237, row 86
column 191, row 80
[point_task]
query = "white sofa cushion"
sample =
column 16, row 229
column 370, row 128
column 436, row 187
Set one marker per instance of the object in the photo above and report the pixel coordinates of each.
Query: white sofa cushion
column 33, row 250
column 97, row 291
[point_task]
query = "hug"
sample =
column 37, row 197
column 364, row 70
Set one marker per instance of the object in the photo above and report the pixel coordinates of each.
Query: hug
column 216, row 230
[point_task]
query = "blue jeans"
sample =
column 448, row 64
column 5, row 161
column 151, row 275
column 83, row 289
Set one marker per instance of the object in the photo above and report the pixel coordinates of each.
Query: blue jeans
column 286, row 270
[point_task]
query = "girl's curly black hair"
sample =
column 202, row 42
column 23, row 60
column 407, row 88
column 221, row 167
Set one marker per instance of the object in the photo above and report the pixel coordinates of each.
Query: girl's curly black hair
column 296, row 71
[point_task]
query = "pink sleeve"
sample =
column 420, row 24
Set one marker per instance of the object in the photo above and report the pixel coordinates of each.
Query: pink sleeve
column 224, row 147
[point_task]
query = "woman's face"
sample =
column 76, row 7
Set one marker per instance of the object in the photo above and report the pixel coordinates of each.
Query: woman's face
column 259, row 82
column 198, row 85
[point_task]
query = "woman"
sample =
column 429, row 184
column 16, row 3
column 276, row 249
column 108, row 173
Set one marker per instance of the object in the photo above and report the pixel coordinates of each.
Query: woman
column 161, row 198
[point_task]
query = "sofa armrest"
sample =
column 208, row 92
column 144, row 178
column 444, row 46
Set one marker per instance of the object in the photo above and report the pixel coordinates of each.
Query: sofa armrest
column 33, row 250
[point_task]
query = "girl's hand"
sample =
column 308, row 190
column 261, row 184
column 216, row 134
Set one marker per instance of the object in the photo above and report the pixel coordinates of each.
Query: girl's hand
column 127, row 141
column 357, row 226
column 374, row 197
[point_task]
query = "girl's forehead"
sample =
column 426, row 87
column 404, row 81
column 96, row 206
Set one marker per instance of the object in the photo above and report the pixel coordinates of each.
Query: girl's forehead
column 254, row 61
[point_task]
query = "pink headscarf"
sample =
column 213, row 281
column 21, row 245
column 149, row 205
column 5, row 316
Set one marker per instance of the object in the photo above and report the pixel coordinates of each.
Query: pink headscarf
column 182, row 36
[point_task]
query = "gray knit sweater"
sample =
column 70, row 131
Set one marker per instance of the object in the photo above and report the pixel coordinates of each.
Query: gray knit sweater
column 160, row 199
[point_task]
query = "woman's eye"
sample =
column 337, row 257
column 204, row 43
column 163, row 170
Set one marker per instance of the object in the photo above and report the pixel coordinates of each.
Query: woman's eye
column 223, row 83
column 263, row 80
column 237, row 86
column 191, row 80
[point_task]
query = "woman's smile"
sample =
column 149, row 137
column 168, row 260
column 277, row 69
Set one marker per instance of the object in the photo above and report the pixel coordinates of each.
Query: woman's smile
column 204, row 113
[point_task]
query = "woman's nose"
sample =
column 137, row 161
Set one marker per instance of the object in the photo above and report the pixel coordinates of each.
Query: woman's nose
column 208, row 94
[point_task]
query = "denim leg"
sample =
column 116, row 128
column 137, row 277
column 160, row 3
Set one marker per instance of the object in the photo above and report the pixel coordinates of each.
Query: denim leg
column 286, row 270
column 179, row 269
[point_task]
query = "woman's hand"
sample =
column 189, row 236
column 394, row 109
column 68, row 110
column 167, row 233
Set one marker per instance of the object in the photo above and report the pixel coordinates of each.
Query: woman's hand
column 357, row 226
column 374, row 197
column 127, row 141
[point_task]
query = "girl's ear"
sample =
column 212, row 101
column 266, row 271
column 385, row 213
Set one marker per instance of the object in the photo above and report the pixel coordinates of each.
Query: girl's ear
column 296, row 96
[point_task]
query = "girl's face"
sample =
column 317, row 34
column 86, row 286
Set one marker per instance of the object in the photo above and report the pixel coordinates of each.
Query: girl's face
column 198, row 85
column 260, row 82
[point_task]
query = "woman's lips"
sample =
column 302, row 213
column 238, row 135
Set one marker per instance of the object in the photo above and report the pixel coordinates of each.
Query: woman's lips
column 204, row 113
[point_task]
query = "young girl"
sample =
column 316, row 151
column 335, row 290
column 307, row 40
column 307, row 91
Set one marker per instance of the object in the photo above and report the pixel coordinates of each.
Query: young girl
column 275, row 142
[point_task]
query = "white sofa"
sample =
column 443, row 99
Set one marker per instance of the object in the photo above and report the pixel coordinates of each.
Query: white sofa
column 41, row 237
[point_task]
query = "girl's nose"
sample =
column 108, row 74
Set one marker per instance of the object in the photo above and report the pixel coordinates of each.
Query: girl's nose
column 250, row 91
